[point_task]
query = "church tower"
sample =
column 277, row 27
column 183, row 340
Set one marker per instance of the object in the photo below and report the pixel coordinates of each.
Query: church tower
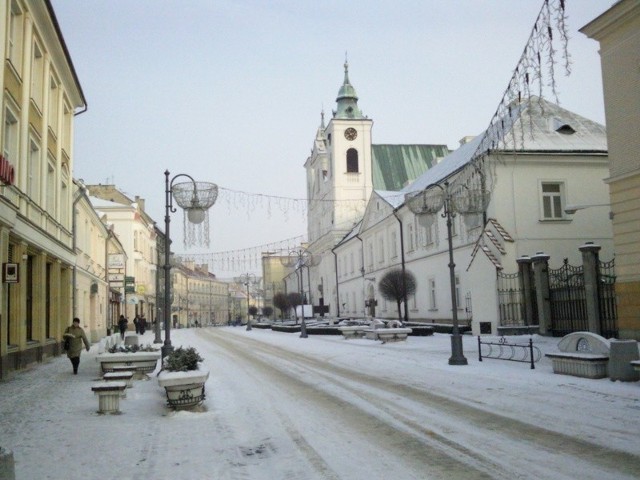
column 339, row 183
column 339, row 173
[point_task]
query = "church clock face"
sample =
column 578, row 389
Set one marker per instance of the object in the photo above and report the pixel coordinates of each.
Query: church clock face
column 350, row 133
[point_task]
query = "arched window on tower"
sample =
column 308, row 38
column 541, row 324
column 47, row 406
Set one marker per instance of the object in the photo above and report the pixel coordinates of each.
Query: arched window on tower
column 352, row 161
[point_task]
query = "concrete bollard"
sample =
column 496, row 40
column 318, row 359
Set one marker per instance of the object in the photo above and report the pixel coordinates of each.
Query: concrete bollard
column 7, row 469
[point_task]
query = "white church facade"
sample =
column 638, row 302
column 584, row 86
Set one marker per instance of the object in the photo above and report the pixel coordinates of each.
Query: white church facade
column 359, row 229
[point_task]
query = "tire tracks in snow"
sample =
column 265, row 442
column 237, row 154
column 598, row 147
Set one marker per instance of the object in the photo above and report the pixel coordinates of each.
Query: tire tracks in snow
column 372, row 425
column 395, row 405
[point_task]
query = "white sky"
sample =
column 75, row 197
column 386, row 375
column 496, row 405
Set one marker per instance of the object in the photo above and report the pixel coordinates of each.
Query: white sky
column 281, row 407
column 231, row 92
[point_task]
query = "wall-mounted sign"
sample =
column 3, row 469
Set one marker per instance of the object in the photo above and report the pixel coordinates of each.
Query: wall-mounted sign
column 116, row 260
column 116, row 277
column 10, row 273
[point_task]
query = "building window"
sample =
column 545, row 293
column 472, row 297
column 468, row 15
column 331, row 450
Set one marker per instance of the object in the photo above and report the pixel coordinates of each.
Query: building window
column 428, row 235
column 10, row 141
column 411, row 237
column 352, row 161
column 33, row 174
column 381, row 250
column 551, row 197
column 51, row 188
column 37, row 75
column 394, row 244
column 14, row 53
column 67, row 119
column 432, row 294
column 65, row 208
column 53, row 106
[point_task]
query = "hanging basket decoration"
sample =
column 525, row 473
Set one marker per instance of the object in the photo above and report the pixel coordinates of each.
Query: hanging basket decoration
column 195, row 198
column 428, row 201
column 471, row 201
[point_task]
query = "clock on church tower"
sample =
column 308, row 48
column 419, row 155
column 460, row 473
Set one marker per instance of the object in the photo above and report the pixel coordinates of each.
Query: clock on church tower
column 350, row 133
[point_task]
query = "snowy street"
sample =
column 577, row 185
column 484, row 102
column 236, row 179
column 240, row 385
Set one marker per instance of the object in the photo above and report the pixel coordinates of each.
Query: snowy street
column 282, row 407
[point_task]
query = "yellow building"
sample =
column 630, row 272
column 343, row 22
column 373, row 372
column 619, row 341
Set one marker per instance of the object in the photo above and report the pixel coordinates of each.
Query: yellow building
column 40, row 96
column 199, row 298
column 618, row 31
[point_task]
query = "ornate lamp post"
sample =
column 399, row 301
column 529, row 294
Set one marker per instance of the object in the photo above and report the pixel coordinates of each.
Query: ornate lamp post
column 195, row 198
column 247, row 279
column 297, row 259
column 426, row 204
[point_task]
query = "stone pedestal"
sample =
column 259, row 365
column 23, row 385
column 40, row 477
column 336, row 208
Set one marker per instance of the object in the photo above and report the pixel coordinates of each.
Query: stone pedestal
column 7, row 468
column 622, row 353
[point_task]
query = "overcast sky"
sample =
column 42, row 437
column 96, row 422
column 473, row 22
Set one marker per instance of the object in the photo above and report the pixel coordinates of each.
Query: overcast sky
column 231, row 92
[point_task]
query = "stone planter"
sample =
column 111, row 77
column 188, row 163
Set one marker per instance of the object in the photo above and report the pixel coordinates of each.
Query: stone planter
column 184, row 389
column 586, row 365
column 144, row 362
column 352, row 331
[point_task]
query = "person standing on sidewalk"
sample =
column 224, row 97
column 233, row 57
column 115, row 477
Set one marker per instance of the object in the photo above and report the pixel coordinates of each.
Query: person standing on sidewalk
column 142, row 324
column 122, row 325
column 76, row 337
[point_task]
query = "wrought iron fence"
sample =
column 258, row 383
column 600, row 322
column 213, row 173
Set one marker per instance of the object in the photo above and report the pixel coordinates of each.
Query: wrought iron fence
column 511, row 300
column 607, row 299
column 567, row 300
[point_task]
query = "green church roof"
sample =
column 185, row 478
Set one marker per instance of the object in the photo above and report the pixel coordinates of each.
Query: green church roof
column 394, row 166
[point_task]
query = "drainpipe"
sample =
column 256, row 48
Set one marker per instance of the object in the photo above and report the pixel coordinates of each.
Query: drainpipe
column 335, row 260
column 364, row 292
column 82, row 192
column 404, row 285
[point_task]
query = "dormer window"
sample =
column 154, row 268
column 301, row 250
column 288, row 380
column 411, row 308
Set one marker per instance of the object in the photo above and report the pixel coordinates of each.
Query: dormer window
column 562, row 127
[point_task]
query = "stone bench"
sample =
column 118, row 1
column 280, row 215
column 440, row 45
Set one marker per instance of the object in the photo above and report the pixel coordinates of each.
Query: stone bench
column 109, row 394
column 123, row 376
column 586, row 365
column 392, row 334
column 582, row 354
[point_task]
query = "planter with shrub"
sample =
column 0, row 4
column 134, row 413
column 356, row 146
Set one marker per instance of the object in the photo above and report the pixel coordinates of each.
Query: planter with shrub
column 183, row 379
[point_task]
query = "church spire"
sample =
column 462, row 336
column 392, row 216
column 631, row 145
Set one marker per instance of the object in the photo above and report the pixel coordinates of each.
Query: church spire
column 347, row 99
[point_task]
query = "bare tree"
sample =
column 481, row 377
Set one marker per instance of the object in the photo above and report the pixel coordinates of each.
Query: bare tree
column 281, row 302
column 295, row 299
column 397, row 286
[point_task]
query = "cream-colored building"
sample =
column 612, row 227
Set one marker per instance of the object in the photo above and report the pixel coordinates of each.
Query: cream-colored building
column 136, row 231
column 41, row 95
column 274, row 274
column 618, row 31
column 90, row 276
column 198, row 296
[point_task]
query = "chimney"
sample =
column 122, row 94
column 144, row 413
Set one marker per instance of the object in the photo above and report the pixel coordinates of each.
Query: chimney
column 140, row 202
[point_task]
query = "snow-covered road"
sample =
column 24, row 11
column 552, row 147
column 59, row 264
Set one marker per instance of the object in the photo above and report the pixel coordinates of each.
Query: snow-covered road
column 281, row 407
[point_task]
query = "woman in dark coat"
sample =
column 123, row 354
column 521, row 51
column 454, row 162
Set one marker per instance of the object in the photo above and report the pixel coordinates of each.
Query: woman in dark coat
column 122, row 325
column 76, row 337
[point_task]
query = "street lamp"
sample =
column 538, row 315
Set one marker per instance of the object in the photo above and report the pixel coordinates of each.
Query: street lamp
column 426, row 204
column 297, row 259
column 195, row 198
column 247, row 279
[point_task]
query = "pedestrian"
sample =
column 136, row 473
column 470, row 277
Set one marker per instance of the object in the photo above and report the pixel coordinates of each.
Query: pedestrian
column 142, row 324
column 122, row 325
column 136, row 323
column 74, row 336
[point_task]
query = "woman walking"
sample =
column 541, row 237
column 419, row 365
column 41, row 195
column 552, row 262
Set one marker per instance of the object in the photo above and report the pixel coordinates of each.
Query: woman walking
column 74, row 337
